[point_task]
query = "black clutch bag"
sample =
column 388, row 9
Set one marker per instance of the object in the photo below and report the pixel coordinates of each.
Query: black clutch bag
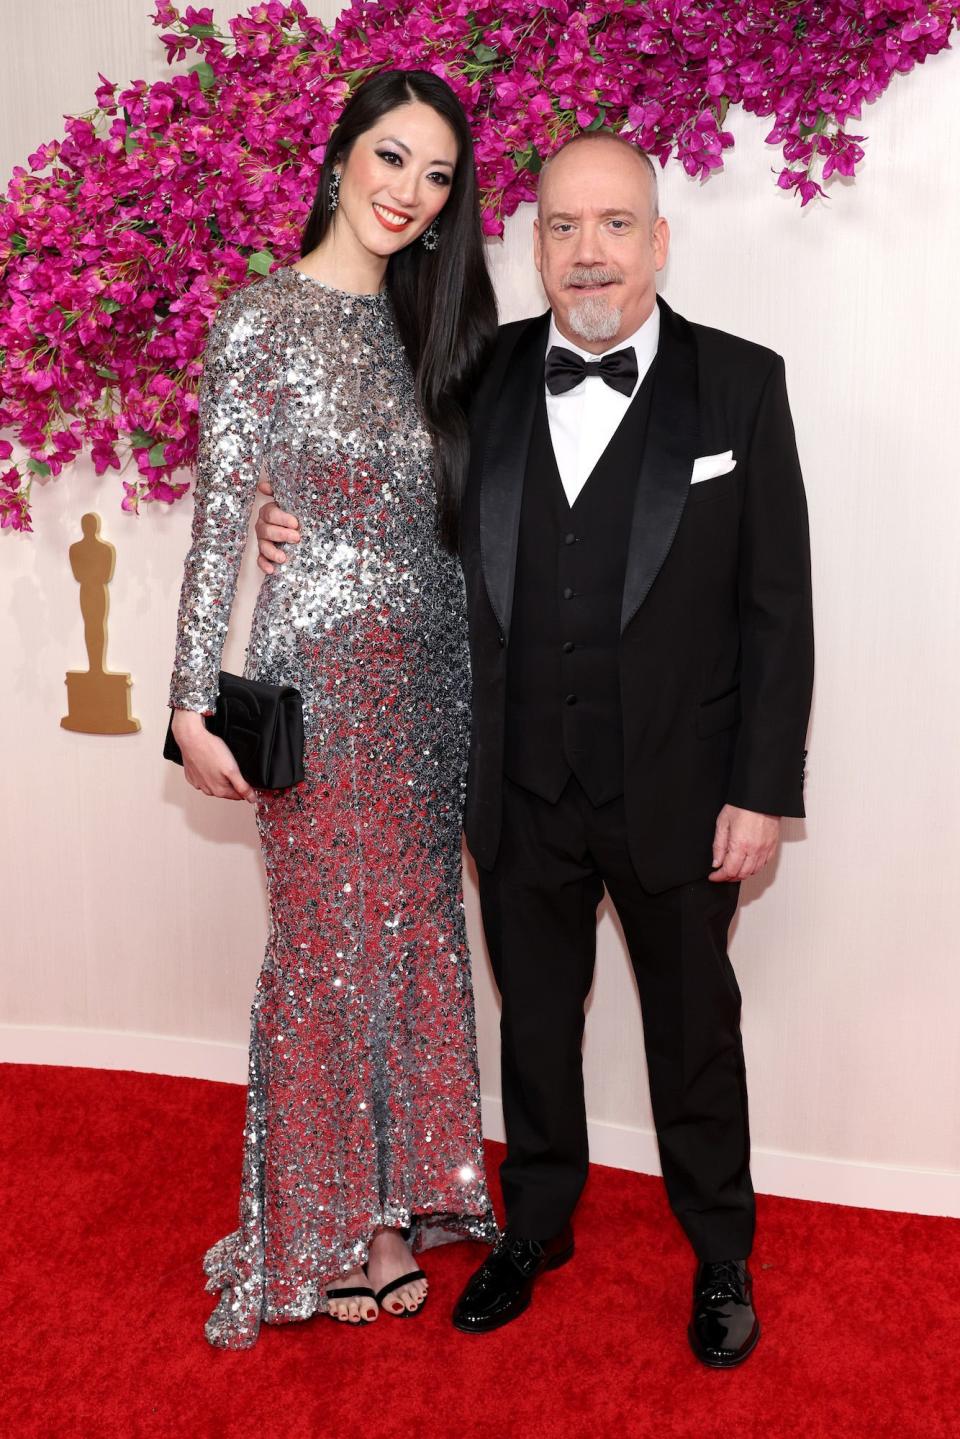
column 261, row 725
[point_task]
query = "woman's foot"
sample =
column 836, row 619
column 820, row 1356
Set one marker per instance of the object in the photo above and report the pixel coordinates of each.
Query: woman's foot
column 390, row 1259
column 352, row 1308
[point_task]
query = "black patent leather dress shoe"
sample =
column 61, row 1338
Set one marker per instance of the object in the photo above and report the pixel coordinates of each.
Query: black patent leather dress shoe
column 500, row 1290
column 724, row 1329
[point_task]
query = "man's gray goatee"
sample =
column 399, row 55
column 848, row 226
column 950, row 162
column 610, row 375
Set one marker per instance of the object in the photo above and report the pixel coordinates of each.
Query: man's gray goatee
column 593, row 319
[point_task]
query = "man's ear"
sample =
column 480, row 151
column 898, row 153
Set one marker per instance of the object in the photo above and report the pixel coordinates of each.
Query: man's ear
column 661, row 242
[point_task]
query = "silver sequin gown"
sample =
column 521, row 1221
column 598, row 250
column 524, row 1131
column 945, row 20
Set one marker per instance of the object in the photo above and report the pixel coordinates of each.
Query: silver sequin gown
column 363, row 1106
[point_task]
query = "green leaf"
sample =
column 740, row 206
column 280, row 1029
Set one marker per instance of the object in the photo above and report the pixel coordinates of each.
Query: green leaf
column 204, row 73
column 105, row 372
column 485, row 54
column 140, row 440
column 129, row 143
column 18, row 244
column 38, row 467
column 530, row 159
column 202, row 32
column 110, row 306
column 158, row 453
column 260, row 262
column 597, row 122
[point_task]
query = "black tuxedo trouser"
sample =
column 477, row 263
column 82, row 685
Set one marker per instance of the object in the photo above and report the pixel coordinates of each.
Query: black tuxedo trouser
column 539, row 905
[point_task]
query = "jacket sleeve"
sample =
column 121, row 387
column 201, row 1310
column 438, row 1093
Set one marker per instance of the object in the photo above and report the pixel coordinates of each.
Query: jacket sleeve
column 236, row 400
column 776, row 616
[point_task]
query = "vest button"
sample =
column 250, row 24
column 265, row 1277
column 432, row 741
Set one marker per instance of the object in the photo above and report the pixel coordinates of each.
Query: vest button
column 568, row 647
column 569, row 539
column 570, row 700
column 501, row 639
column 568, row 593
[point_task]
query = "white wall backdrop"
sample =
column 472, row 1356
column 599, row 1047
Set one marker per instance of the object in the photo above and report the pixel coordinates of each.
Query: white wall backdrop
column 133, row 908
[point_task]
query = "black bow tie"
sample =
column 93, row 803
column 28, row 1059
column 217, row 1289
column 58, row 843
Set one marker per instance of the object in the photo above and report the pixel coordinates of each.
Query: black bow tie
column 564, row 370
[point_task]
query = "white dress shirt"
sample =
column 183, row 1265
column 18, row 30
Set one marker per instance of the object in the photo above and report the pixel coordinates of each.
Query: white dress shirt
column 582, row 421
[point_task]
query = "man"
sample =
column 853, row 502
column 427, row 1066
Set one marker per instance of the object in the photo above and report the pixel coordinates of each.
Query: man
column 636, row 558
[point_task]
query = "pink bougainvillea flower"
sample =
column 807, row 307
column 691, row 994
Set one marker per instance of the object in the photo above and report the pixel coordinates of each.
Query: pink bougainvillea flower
column 119, row 240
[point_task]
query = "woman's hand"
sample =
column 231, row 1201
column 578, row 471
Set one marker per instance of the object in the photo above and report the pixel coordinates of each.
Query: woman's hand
column 207, row 762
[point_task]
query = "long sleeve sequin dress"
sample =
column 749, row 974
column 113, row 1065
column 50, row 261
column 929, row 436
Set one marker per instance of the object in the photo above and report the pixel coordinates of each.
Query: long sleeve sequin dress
column 363, row 1105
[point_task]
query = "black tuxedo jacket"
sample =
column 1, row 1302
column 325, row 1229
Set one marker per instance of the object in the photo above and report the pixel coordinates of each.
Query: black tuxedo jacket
column 716, row 647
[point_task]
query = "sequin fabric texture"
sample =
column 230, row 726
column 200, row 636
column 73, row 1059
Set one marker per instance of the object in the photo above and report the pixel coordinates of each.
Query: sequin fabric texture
column 363, row 1105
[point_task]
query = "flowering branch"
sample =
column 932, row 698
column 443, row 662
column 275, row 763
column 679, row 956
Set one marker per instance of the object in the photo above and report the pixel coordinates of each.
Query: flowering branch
column 119, row 242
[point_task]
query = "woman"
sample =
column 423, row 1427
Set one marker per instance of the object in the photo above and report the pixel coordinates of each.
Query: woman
column 345, row 376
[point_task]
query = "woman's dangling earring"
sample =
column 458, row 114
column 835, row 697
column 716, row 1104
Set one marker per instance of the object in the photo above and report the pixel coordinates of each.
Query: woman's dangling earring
column 430, row 238
column 333, row 191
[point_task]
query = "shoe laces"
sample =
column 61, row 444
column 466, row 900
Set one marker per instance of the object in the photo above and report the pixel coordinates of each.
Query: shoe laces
column 721, row 1280
column 523, row 1248
column 524, row 1254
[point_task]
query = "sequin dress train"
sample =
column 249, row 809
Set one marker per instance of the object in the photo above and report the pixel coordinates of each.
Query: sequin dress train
column 363, row 1105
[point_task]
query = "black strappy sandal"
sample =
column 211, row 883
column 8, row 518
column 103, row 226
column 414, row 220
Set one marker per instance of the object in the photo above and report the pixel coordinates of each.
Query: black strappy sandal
column 395, row 1284
column 359, row 1291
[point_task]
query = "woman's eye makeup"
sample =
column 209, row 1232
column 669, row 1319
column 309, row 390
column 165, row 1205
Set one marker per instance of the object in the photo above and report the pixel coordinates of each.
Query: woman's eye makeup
column 439, row 177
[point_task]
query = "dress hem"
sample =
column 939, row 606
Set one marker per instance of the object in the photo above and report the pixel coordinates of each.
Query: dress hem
column 237, row 1318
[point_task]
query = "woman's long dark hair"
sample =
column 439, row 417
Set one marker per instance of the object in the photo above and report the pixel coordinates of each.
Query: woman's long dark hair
column 443, row 299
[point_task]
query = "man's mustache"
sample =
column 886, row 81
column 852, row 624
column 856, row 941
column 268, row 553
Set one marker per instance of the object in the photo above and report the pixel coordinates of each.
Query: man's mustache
column 595, row 275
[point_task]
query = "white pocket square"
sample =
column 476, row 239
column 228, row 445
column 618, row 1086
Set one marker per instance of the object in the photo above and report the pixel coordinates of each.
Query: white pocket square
column 707, row 467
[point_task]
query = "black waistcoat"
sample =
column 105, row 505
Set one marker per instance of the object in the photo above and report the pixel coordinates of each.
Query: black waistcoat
column 563, row 710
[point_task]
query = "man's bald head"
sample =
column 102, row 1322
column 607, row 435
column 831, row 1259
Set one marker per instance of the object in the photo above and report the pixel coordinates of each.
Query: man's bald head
column 636, row 156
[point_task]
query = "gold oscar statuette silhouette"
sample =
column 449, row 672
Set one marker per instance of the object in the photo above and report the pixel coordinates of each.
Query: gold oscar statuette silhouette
column 98, row 702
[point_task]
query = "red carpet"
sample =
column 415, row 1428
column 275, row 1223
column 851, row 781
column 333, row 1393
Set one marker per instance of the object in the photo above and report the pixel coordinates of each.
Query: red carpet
column 115, row 1183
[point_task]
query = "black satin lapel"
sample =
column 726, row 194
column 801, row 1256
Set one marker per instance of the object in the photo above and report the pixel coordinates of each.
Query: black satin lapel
column 672, row 445
column 504, row 462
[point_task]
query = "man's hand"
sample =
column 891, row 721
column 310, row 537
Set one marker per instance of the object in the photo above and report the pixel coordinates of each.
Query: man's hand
column 743, row 843
column 274, row 527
